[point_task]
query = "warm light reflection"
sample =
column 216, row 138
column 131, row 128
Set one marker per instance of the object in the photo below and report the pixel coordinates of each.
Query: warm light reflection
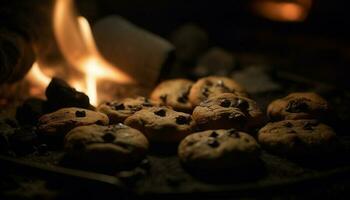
column 296, row 10
column 38, row 80
column 76, row 42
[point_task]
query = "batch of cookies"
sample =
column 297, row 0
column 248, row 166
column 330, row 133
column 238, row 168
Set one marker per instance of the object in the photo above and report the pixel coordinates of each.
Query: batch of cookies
column 212, row 123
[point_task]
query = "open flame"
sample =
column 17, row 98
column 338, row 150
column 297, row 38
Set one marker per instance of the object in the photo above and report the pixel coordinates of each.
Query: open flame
column 77, row 44
column 283, row 10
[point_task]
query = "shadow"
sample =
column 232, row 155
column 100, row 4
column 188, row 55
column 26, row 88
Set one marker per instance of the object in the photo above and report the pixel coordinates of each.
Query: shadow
column 229, row 175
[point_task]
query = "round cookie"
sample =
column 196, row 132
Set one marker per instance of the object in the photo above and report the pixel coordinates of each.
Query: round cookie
column 105, row 147
column 297, row 138
column 300, row 105
column 174, row 93
column 118, row 111
column 227, row 110
column 161, row 125
column 219, row 149
column 62, row 121
column 213, row 85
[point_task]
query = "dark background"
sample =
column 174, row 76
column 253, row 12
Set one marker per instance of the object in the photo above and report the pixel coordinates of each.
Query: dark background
column 317, row 48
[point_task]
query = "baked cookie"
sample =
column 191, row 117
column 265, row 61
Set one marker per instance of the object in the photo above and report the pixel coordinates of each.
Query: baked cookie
column 299, row 138
column 174, row 93
column 213, row 85
column 105, row 147
column 118, row 111
column 219, row 149
column 62, row 121
column 161, row 124
column 300, row 105
column 227, row 110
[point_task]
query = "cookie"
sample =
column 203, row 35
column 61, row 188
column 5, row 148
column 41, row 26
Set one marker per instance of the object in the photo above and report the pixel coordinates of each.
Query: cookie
column 297, row 138
column 118, row 111
column 227, row 110
column 213, row 85
column 161, row 124
column 300, row 105
column 219, row 149
column 174, row 93
column 105, row 147
column 62, row 121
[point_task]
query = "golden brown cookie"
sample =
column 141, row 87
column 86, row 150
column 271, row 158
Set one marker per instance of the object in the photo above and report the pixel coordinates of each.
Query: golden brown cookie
column 297, row 138
column 219, row 149
column 213, row 85
column 105, row 147
column 118, row 111
column 60, row 122
column 161, row 124
column 299, row 105
column 174, row 93
column 227, row 110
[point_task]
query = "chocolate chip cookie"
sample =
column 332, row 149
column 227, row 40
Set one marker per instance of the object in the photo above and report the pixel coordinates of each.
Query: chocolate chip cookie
column 105, row 147
column 300, row 105
column 161, row 124
column 228, row 110
column 174, row 93
column 60, row 122
column 118, row 111
column 297, row 138
column 219, row 149
column 213, row 85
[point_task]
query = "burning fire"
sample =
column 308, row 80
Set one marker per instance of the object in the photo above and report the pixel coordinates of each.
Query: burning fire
column 279, row 10
column 77, row 44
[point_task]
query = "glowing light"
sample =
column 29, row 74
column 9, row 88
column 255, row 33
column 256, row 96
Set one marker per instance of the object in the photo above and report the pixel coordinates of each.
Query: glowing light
column 38, row 80
column 283, row 11
column 76, row 42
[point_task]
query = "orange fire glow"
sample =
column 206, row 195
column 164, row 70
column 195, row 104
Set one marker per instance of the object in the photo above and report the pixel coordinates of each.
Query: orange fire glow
column 292, row 11
column 77, row 44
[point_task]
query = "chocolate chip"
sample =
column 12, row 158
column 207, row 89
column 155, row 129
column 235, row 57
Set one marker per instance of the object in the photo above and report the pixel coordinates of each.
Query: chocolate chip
column 296, row 106
column 225, row 103
column 288, row 125
column 242, row 104
column 183, row 99
column 79, row 113
column 119, row 106
column 108, row 137
column 213, row 143
column 182, row 120
column 108, row 104
column 163, row 97
column 205, row 92
column 161, row 113
column 214, row 134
